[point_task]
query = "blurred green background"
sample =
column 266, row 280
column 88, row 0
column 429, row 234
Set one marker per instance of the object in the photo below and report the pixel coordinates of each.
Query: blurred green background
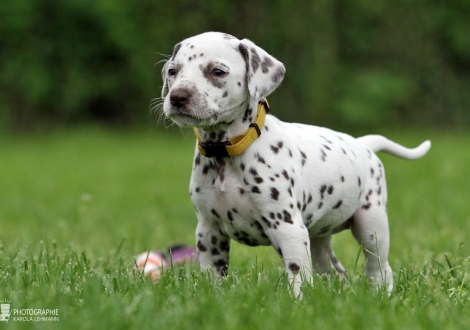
column 350, row 63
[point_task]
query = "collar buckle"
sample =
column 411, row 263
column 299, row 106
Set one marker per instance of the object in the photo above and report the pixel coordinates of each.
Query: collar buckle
column 215, row 149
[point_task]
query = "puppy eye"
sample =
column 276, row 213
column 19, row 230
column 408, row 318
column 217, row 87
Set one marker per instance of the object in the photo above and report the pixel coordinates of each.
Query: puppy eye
column 218, row 73
column 171, row 72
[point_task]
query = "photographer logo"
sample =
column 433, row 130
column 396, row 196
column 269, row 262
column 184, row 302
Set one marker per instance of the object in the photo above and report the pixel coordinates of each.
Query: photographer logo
column 5, row 312
column 27, row 314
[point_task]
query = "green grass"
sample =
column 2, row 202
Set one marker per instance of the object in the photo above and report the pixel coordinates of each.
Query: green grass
column 76, row 207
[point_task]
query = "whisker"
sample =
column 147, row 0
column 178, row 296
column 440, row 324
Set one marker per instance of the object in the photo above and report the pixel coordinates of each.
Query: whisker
column 166, row 58
column 157, row 100
column 164, row 55
column 166, row 120
column 186, row 132
column 156, row 105
column 156, row 108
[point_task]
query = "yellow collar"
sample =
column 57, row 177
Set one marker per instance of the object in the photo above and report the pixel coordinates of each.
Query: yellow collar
column 239, row 143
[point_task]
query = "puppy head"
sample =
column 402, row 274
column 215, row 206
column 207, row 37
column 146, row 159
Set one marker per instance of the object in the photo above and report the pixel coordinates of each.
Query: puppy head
column 210, row 78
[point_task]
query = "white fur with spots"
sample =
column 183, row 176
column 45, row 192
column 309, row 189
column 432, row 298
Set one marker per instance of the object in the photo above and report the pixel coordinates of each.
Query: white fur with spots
column 294, row 187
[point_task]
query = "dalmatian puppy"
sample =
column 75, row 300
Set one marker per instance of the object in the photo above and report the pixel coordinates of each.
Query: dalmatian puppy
column 292, row 186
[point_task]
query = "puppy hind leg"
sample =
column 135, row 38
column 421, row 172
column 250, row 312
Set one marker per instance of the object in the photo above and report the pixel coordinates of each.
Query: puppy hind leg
column 370, row 229
column 323, row 257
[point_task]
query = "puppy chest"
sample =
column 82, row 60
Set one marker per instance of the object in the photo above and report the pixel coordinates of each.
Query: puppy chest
column 234, row 216
column 226, row 200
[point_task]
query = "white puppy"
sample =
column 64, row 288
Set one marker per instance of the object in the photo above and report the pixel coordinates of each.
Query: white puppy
column 261, row 181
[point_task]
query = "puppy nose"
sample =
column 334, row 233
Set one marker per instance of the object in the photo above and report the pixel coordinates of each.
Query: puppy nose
column 179, row 97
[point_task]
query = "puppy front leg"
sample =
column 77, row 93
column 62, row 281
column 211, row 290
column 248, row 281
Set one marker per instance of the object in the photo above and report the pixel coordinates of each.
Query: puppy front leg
column 292, row 243
column 213, row 247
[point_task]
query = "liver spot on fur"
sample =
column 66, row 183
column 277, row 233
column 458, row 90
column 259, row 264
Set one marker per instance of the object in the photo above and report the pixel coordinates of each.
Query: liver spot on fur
column 293, row 267
column 207, row 73
column 266, row 64
column 255, row 60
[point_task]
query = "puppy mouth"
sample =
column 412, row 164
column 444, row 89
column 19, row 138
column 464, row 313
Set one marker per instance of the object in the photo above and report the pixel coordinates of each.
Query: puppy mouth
column 181, row 114
column 183, row 118
column 209, row 117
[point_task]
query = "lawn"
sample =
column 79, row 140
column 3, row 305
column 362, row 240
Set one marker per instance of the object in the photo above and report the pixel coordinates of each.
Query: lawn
column 77, row 206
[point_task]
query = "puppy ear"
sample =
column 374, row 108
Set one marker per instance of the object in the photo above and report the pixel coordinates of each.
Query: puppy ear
column 264, row 72
column 165, row 88
column 175, row 50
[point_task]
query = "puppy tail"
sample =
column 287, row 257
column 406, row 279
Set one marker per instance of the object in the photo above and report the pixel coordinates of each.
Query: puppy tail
column 380, row 143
